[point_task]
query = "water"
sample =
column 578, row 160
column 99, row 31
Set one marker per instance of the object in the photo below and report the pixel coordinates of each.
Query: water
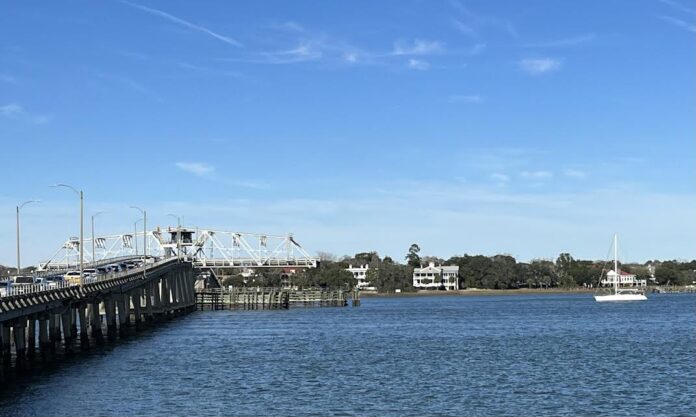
column 439, row 355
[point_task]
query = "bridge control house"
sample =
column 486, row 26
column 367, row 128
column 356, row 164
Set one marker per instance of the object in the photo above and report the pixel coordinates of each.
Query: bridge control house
column 436, row 277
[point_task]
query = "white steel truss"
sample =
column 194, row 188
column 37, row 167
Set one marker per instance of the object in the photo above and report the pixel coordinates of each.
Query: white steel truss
column 204, row 247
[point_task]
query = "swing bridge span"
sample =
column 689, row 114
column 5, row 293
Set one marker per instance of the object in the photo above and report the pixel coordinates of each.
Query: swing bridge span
column 204, row 248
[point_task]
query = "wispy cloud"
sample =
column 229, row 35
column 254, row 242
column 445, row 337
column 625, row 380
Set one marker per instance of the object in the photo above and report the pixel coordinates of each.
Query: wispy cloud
column 480, row 20
column 17, row 112
column 574, row 173
column 500, row 178
column 199, row 169
column 536, row 175
column 184, row 23
column 679, row 23
column 417, row 47
column 465, row 98
column 5, row 78
column 418, row 64
column 537, row 66
column 678, row 6
column 572, row 41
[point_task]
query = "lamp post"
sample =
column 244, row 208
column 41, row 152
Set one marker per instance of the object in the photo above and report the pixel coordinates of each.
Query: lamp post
column 144, row 213
column 135, row 233
column 178, row 219
column 82, row 249
column 19, row 207
column 94, row 257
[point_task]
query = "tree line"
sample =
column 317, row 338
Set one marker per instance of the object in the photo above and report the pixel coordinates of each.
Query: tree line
column 475, row 271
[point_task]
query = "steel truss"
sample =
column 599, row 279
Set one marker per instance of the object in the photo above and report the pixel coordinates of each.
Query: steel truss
column 204, row 247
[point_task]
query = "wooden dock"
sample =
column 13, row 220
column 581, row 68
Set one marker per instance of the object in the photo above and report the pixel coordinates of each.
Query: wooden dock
column 271, row 298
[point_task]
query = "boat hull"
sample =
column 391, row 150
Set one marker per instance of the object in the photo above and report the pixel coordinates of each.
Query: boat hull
column 619, row 297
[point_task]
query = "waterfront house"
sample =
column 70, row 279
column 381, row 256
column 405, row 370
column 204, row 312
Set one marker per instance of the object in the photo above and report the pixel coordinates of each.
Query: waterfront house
column 360, row 274
column 625, row 279
column 435, row 277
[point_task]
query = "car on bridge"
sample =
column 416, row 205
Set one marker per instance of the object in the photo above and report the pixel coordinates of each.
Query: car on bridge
column 72, row 277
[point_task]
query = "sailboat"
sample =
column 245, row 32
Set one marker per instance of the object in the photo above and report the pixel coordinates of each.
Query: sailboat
column 618, row 293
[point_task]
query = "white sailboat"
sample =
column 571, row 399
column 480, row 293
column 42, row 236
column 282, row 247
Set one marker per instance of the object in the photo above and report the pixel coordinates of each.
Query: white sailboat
column 618, row 293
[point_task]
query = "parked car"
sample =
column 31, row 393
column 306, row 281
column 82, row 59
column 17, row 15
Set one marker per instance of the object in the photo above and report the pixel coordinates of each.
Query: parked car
column 89, row 272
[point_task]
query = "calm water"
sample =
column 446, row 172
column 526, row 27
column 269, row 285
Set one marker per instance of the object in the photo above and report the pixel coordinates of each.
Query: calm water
column 440, row 355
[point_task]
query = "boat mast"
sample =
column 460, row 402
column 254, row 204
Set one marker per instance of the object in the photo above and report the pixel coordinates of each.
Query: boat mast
column 616, row 265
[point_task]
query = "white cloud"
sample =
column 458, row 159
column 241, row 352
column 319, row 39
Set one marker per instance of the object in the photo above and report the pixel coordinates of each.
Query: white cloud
column 500, row 178
column 678, row 6
column 199, row 169
column 537, row 66
column 12, row 110
column 417, row 64
column 574, row 173
column 536, row 175
column 17, row 112
column 184, row 23
column 417, row 47
column 679, row 23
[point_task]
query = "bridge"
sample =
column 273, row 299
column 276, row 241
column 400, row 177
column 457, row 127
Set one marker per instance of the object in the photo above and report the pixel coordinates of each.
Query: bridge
column 162, row 285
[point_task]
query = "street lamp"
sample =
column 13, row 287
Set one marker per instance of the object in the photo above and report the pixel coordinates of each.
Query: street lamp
column 94, row 257
column 178, row 219
column 135, row 234
column 82, row 249
column 144, row 213
column 19, row 207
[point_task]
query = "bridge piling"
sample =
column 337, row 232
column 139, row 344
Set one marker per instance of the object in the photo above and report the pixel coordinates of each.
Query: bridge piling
column 54, row 330
column 82, row 317
column 44, row 342
column 31, row 336
column 137, row 300
column 110, row 311
column 66, row 319
column 73, row 322
column 19, row 332
column 95, row 319
column 5, row 338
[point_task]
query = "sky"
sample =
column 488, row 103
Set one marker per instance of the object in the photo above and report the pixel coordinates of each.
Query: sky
column 481, row 127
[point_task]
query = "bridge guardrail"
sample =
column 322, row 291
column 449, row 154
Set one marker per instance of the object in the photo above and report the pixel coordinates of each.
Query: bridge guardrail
column 21, row 289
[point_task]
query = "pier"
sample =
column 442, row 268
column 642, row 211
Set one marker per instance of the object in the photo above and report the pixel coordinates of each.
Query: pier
column 272, row 298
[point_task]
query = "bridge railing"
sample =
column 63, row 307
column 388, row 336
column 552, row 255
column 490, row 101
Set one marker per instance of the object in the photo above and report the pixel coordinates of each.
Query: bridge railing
column 21, row 289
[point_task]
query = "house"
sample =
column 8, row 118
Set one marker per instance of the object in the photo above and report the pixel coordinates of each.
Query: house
column 435, row 277
column 625, row 279
column 360, row 274
column 286, row 278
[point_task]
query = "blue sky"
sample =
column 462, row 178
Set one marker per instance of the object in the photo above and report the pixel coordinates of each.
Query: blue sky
column 530, row 128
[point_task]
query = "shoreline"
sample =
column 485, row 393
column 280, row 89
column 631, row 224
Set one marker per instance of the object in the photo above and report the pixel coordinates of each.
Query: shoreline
column 475, row 292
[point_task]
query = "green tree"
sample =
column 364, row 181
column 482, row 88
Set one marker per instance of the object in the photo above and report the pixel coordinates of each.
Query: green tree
column 390, row 276
column 413, row 259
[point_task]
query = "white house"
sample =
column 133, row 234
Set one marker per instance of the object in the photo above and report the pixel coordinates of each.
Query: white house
column 360, row 274
column 626, row 279
column 434, row 277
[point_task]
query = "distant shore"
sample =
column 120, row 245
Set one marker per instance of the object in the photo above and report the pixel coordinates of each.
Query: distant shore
column 475, row 292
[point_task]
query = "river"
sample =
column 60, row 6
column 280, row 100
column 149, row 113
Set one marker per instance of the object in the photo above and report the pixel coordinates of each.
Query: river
column 432, row 355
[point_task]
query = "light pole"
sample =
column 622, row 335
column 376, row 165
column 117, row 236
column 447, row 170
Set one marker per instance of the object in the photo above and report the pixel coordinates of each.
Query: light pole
column 19, row 207
column 144, row 213
column 82, row 249
column 94, row 257
column 135, row 234
column 178, row 219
